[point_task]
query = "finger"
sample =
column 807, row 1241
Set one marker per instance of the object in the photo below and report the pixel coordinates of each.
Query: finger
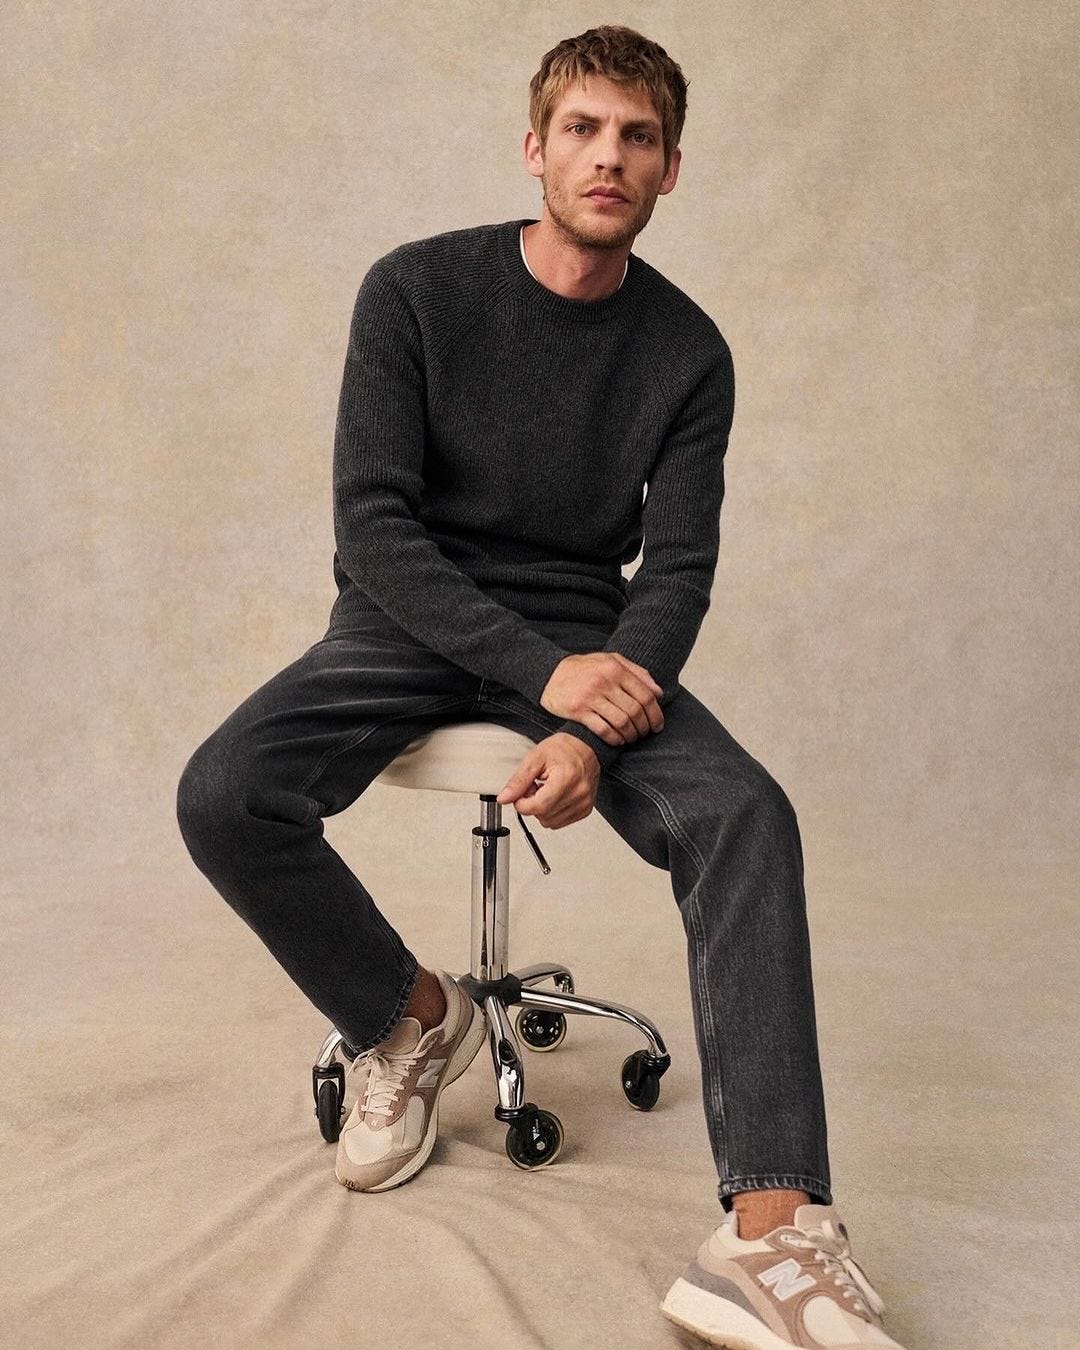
column 632, row 705
column 619, row 720
column 603, row 728
column 538, row 799
column 523, row 804
column 652, row 713
column 640, row 672
column 651, row 716
column 520, row 781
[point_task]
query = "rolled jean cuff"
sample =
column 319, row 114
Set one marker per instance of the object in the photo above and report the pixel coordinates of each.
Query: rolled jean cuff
column 412, row 972
column 818, row 1190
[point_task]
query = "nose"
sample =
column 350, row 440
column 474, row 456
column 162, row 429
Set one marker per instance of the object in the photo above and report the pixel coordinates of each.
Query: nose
column 610, row 151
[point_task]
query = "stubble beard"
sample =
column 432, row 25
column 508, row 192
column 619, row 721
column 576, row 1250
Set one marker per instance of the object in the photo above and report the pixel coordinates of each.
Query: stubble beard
column 631, row 222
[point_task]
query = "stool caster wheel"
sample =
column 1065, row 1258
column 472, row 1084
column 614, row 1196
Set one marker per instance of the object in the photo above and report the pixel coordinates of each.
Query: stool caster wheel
column 534, row 1139
column 329, row 1087
column 640, row 1083
column 540, row 1029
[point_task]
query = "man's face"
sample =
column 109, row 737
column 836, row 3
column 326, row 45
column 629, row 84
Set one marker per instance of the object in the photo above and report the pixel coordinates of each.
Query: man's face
column 602, row 135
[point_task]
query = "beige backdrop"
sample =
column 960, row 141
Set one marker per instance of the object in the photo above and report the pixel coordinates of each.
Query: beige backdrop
column 878, row 206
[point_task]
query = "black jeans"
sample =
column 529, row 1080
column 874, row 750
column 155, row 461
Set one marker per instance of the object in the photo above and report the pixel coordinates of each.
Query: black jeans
column 688, row 799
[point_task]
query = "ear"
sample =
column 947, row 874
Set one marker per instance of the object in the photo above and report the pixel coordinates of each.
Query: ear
column 672, row 176
column 534, row 154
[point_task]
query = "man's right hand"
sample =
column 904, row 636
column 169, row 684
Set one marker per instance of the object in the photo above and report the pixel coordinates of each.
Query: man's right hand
column 612, row 696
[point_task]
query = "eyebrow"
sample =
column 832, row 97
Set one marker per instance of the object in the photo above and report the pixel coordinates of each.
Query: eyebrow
column 641, row 124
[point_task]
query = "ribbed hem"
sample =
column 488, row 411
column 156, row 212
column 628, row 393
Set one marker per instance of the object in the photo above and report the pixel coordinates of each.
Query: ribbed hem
column 537, row 296
column 606, row 754
column 568, row 603
column 539, row 663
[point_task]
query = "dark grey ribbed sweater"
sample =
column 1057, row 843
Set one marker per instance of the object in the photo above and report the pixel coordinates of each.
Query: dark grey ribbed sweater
column 493, row 444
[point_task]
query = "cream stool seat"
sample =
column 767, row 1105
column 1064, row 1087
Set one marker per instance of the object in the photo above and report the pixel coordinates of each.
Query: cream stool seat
column 473, row 757
column 478, row 758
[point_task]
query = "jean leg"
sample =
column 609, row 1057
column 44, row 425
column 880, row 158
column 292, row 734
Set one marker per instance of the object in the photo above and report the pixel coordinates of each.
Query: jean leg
column 252, row 798
column 691, row 800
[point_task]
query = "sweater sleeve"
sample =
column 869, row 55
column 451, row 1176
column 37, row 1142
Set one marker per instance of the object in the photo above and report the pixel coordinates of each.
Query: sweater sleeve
column 377, row 484
column 668, row 596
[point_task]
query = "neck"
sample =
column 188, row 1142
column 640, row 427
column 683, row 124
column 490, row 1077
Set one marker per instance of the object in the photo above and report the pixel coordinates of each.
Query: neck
column 568, row 271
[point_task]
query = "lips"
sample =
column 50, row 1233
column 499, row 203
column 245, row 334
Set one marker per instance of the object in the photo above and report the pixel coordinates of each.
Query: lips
column 608, row 194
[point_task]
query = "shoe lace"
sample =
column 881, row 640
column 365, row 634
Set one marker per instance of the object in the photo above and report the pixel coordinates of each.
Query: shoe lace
column 386, row 1077
column 834, row 1253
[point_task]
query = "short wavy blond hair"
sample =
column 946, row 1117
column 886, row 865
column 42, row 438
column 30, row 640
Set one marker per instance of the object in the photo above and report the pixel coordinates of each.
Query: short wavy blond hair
column 622, row 55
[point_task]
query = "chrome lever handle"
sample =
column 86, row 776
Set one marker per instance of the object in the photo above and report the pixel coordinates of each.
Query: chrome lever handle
column 533, row 844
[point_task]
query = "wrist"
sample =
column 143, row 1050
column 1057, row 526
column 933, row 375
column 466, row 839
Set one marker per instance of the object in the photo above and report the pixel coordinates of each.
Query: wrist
column 577, row 742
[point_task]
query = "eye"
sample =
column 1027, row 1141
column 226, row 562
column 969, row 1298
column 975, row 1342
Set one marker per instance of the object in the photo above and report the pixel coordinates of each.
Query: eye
column 646, row 138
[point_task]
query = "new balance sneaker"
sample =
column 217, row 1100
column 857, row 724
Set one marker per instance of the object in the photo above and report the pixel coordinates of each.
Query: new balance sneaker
column 797, row 1285
column 391, row 1128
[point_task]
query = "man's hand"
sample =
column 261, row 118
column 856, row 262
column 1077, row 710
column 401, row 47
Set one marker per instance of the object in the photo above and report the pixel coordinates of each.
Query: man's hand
column 570, row 771
column 612, row 696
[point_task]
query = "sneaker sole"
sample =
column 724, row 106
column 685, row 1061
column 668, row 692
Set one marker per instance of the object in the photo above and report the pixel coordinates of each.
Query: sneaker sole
column 467, row 1050
column 717, row 1320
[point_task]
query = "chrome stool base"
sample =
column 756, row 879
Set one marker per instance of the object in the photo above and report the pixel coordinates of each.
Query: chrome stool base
column 534, row 1137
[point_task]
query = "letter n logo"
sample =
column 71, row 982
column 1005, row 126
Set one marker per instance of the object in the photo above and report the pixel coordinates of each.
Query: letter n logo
column 786, row 1279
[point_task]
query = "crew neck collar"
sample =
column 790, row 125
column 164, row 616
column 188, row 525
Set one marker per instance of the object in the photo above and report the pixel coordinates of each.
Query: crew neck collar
column 539, row 297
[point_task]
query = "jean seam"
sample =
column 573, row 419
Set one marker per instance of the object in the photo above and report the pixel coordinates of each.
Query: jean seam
column 671, row 821
column 433, row 705
column 706, row 1002
column 669, row 817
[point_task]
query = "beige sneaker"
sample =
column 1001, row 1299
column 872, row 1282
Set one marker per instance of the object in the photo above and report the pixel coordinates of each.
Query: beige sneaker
column 797, row 1285
column 390, row 1131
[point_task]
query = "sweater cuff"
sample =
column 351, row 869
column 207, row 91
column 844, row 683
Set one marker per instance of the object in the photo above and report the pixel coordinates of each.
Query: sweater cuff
column 606, row 754
column 540, row 658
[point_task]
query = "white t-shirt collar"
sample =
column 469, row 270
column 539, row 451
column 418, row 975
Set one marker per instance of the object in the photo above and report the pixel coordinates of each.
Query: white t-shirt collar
column 524, row 259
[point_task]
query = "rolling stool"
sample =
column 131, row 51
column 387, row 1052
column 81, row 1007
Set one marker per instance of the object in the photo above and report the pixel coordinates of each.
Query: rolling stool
column 478, row 758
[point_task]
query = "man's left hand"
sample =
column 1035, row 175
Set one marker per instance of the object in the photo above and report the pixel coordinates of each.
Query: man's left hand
column 570, row 772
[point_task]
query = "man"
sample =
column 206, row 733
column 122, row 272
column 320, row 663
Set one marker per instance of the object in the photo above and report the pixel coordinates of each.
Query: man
column 509, row 393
